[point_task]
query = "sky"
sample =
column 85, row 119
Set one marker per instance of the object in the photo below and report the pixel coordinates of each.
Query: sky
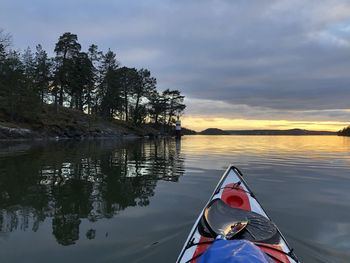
column 257, row 64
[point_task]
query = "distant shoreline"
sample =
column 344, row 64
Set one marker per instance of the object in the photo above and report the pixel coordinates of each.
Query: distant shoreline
column 198, row 134
column 290, row 132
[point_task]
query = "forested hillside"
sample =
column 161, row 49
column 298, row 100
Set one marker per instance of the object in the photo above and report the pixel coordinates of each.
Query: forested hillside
column 90, row 81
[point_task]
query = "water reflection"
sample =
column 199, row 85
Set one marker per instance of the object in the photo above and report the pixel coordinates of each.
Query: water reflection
column 68, row 182
column 117, row 203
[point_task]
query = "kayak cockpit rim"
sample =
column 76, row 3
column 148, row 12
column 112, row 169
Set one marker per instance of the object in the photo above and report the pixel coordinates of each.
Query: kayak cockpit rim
column 217, row 190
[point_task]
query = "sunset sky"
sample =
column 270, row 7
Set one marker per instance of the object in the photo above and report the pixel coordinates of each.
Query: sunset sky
column 241, row 64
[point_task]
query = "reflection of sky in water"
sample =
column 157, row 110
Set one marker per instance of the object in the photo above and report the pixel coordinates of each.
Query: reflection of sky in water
column 112, row 202
column 309, row 151
column 338, row 233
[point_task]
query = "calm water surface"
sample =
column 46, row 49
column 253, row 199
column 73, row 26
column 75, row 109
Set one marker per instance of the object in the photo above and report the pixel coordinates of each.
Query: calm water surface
column 111, row 201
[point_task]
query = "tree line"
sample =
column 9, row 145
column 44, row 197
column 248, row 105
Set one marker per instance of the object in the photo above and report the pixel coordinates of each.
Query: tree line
column 344, row 132
column 91, row 81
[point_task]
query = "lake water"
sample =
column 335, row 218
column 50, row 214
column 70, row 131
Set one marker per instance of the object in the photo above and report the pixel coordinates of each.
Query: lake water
column 136, row 201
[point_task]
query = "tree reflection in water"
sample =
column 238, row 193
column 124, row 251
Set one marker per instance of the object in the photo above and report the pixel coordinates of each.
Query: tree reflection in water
column 68, row 181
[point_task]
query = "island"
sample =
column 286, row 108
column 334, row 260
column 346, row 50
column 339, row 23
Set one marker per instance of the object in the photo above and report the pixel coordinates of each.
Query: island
column 294, row 132
column 344, row 132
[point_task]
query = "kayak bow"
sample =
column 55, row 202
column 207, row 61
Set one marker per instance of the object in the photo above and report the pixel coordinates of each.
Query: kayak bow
column 234, row 213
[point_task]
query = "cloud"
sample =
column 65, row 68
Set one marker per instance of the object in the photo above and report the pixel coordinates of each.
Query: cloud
column 204, row 109
column 263, row 58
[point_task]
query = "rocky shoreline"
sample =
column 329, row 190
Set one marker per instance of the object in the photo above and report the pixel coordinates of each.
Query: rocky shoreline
column 9, row 133
column 69, row 124
column 18, row 133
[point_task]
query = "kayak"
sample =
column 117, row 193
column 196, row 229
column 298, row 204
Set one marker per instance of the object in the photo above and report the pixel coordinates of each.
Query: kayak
column 234, row 223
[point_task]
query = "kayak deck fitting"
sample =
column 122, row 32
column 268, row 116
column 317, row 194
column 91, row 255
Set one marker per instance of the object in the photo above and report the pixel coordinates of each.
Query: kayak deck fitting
column 234, row 212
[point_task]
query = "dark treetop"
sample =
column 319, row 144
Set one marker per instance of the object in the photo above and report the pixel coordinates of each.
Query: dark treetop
column 89, row 81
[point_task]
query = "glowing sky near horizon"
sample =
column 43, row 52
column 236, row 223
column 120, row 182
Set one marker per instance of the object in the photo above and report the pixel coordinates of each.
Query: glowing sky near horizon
column 241, row 64
column 202, row 123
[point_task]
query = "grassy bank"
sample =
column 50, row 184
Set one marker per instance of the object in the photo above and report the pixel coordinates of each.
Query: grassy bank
column 66, row 123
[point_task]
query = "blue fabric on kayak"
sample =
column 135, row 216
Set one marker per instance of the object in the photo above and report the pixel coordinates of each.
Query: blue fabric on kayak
column 234, row 251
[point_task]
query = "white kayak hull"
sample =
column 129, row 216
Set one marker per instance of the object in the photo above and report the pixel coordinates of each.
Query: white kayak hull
column 240, row 197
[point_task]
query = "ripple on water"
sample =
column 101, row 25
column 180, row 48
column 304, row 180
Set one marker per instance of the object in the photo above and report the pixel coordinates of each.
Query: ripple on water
column 108, row 201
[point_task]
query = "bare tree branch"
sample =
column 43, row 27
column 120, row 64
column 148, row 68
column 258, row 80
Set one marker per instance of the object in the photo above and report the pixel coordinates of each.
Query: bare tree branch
column 5, row 38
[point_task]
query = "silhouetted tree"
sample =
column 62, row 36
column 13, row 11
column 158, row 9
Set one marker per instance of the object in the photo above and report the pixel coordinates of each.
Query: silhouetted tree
column 90, row 81
column 344, row 132
column 175, row 105
column 109, row 89
column 15, row 96
column 144, row 87
column 29, row 67
column 128, row 79
column 5, row 39
column 42, row 72
column 90, row 96
column 157, row 107
column 67, row 48
column 81, row 80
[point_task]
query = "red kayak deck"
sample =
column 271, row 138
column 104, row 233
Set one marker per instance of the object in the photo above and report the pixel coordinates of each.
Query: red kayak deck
column 234, row 191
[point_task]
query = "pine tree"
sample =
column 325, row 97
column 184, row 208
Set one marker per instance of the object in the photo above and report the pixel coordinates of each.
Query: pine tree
column 67, row 48
column 109, row 99
column 175, row 105
column 128, row 78
column 42, row 72
column 90, row 96
column 145, row 86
